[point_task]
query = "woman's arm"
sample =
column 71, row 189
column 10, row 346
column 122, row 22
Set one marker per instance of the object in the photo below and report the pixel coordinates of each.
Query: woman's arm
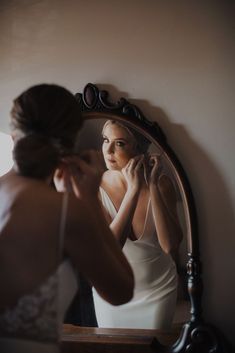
column 121, row 224
column 89, row 241
column 163, row 198
column 95, row 252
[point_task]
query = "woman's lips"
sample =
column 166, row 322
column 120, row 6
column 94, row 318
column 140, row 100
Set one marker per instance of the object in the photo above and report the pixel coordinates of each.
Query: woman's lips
column 111, row 160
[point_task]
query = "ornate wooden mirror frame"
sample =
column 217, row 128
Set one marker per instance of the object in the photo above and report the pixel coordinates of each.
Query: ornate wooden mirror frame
column 196, row 335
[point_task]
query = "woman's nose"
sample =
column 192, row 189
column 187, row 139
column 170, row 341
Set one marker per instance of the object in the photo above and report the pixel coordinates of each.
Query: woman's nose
column 110, row 148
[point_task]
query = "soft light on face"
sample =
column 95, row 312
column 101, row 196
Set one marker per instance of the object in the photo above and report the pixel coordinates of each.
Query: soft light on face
column 118, row 146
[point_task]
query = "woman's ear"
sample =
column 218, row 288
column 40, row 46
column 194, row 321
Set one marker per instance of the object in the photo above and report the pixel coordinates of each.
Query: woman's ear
column 16, row 134
column 13, row 135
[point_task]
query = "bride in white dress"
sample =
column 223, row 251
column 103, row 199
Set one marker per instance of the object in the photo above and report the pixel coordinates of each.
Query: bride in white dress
column 46, row 235
column 139, row 200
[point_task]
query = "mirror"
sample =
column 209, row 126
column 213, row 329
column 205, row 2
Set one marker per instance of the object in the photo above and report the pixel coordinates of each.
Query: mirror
column 170, row 311
column 194, row 335
column 174, row 310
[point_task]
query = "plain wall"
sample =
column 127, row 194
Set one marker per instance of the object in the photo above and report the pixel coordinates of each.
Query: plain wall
column 175, row 60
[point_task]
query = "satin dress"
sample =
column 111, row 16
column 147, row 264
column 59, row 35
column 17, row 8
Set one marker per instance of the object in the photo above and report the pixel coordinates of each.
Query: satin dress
column 155, row 293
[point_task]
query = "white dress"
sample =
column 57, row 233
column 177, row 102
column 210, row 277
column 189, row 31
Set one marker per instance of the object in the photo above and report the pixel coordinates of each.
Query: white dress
column 34, row 324
column 154, row 300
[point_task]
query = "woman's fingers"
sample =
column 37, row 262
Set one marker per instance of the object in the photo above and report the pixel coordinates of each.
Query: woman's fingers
column 85, row 173
column 58, row 173
column 156, row 161
column 139, row 162
column 135, row 162
column 156, row 167
column 153, row 158
column 61, row 179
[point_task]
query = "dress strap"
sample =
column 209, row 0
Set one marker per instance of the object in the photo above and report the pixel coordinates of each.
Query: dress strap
column 63, row 223
column 107, row 203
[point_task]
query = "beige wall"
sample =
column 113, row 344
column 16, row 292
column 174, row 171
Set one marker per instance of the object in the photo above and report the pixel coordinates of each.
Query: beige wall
column 175, row 59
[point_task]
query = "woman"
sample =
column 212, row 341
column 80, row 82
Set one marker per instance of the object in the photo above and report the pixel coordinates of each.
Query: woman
column 140, row 205
column 46, row 235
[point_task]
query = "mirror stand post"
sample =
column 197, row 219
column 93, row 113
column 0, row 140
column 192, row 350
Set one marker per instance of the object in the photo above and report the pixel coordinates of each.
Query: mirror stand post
column 196, row 336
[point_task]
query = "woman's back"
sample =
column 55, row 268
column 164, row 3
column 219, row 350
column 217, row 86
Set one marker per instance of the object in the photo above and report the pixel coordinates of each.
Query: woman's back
column 30, row 221
column 36, row 293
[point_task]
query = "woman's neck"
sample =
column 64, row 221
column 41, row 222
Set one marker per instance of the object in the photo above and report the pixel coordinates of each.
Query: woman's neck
column 14, row 171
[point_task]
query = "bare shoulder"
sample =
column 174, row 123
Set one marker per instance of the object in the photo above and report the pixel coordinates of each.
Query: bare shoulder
column 27, row 192
column 112, row 179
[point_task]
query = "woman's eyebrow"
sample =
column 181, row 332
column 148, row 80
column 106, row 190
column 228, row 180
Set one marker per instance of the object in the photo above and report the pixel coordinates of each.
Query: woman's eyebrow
column 121, row 138
column 117, row 138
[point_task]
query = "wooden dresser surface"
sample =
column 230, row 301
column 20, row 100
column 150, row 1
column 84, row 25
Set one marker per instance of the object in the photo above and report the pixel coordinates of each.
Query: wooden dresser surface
column 98, row 340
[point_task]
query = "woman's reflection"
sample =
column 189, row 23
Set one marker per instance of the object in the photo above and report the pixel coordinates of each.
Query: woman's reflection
column 139, row 200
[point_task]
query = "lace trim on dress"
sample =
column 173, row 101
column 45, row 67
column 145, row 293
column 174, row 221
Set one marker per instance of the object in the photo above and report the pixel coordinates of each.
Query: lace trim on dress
column 35, row 315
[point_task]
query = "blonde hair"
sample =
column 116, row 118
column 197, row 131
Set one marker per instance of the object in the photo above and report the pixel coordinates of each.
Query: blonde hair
column 142, row 143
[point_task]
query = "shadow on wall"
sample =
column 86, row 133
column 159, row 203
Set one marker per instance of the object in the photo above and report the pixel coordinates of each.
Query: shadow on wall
column 216, row 221
column 215, row 215
column 216, row 232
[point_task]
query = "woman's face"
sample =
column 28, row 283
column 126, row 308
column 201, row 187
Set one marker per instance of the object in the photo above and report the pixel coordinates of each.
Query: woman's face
column 118, row 146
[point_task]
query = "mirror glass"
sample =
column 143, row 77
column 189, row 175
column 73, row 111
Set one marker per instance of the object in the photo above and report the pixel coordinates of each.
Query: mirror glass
column 160, row 299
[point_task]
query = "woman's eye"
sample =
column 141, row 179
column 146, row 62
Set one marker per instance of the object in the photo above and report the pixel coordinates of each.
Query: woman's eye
column 120, row 144
column 105, row 139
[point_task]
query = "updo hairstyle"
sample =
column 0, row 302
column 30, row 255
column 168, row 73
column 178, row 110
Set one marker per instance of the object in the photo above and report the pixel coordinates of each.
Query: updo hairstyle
column 45, row 121
column 142, row 143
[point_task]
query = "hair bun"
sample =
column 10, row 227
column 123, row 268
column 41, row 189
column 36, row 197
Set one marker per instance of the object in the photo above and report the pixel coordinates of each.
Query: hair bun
column 35, row 156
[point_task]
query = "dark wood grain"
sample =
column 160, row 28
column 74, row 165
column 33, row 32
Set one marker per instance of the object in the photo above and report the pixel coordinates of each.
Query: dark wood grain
column 97, row 340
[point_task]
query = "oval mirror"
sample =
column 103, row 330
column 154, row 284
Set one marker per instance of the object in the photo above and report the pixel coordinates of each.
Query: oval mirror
column 96, row 134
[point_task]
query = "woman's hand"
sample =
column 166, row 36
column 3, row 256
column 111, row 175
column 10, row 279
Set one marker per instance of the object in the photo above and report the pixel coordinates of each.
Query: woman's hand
column 155, row 169
column 134, row 173
column 61, row 178
column 86, row 171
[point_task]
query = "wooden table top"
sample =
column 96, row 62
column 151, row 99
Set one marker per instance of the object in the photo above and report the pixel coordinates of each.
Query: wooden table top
column 99, row 340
